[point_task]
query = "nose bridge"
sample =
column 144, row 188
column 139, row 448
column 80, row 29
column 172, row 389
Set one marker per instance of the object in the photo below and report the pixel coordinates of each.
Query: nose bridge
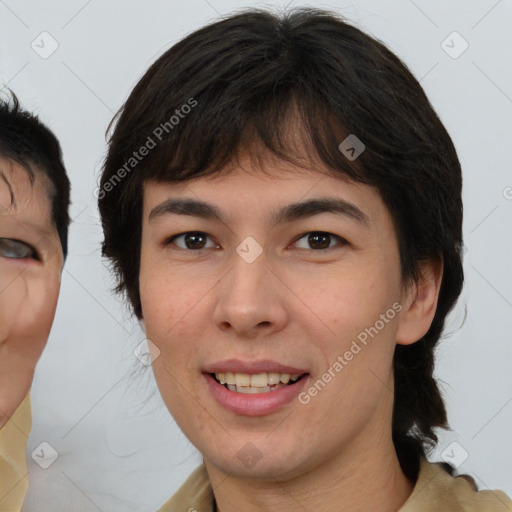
column 248, row 282
column 248, row 296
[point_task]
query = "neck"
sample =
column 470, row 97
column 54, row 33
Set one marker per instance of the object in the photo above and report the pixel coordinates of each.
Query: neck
column 371, row 481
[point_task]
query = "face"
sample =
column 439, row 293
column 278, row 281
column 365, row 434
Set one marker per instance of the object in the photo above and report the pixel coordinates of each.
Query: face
column 286, row 285
column 31, row 262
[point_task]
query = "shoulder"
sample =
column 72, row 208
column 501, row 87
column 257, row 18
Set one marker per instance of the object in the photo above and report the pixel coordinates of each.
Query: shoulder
column 195, row 494
column 13, row 463
column 437, row 490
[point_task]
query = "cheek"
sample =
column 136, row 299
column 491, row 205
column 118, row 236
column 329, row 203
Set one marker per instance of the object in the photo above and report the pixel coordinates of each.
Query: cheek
column 14, row 292
column 171, row 306
column 359, row 323
column 27, row 309
column 172, row 291
column 164, row 300
column 342, row 303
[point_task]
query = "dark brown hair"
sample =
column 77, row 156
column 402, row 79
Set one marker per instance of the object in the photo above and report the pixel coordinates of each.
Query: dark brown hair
column 26, row 140
column 253, row 78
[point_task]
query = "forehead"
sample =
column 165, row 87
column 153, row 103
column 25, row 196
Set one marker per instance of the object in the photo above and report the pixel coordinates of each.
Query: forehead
column 245, row 189
column 24, row 195
column 247, row 169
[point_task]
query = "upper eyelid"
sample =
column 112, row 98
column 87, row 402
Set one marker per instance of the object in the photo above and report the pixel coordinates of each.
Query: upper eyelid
column 298, row 237
column 16, row 240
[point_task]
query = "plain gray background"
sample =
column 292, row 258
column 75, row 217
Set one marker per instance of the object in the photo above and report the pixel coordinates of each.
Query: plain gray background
column 118, row 448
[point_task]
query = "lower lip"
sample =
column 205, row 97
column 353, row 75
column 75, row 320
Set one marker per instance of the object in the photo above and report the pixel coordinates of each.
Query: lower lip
column 257, row 404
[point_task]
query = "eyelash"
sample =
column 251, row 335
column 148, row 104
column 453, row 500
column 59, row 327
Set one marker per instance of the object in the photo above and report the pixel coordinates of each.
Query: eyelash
column 342, row 241
column 11, row 244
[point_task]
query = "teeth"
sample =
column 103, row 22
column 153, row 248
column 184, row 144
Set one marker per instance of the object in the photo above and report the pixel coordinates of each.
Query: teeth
column 242, row 379
column 274, row 378
column 249, row 390
column 259, row 381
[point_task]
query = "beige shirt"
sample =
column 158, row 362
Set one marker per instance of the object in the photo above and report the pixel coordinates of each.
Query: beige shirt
column 13, row 462
column 435, row 491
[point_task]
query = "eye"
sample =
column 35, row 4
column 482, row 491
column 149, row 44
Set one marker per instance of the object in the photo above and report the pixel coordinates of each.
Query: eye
column 15, row 249
column 194, row 240
column 318, row 240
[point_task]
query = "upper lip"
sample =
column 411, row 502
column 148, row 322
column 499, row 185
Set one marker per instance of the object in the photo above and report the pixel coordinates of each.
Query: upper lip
column 252, row 367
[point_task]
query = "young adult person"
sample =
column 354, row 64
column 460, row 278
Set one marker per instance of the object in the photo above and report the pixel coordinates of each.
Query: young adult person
column 282, row 207
column 34, row 202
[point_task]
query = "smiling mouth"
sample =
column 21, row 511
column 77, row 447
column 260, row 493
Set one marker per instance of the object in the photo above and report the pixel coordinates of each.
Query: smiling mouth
column 255, row 383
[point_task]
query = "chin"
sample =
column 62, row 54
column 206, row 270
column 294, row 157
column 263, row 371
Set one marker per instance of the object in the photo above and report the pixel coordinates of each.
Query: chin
column 249, row 462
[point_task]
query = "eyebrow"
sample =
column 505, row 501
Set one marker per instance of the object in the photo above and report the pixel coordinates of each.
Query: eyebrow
column 289, row 213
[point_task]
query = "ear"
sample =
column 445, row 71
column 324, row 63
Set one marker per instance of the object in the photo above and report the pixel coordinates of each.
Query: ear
column 420, row 303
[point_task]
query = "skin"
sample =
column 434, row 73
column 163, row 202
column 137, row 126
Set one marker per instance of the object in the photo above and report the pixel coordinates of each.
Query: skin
column 295, row 304
column 31, row 261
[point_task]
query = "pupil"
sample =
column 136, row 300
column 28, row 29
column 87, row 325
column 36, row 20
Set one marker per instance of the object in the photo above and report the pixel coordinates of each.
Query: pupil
column 195, row 239
column 313, row 240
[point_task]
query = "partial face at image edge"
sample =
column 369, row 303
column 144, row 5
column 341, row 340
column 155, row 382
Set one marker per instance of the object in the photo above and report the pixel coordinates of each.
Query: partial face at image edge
column 31, row 260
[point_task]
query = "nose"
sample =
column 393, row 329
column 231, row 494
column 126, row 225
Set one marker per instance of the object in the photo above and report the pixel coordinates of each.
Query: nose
column 250, row 300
